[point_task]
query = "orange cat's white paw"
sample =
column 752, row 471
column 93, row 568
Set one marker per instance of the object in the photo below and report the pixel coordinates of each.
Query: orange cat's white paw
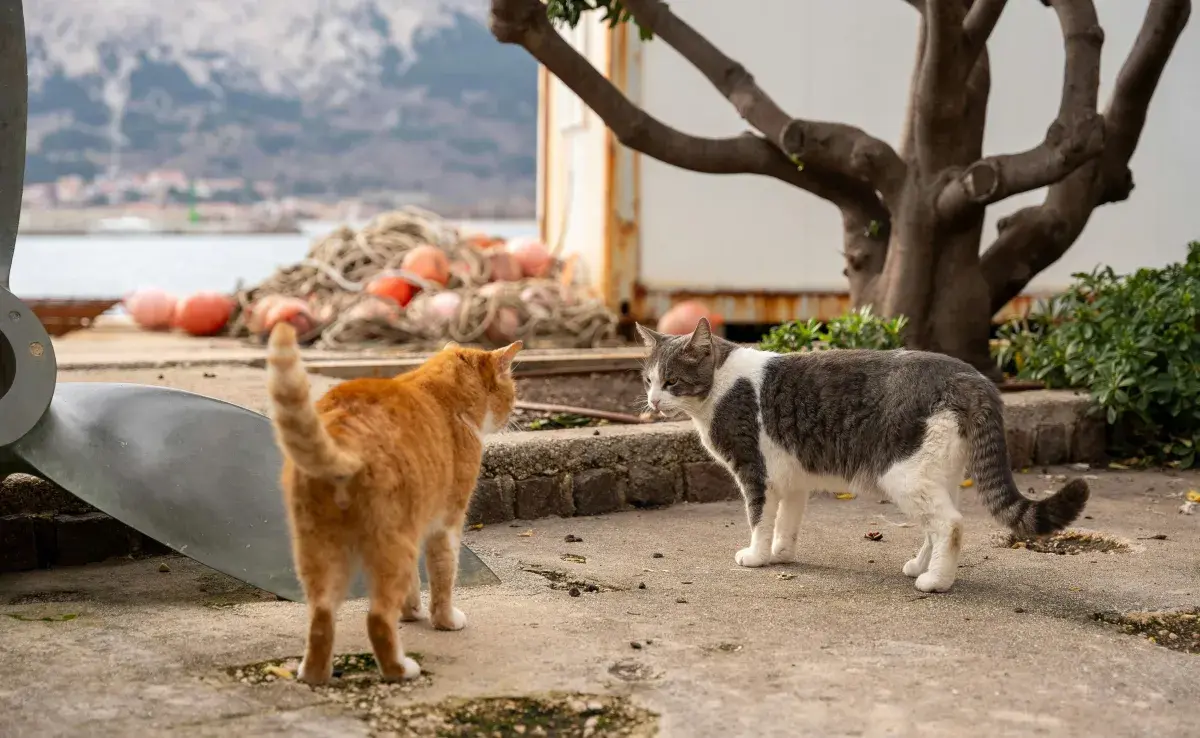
column 410, row 615
column 454, row 620
column 412, row 669
column 312, row 676
column 408, row 669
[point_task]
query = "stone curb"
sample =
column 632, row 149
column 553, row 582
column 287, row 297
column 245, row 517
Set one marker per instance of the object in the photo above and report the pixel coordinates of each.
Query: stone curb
column 525, row 476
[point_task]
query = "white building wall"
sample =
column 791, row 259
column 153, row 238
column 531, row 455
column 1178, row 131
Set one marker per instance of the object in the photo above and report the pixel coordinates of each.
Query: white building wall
column 850, row 60
column 574, row 165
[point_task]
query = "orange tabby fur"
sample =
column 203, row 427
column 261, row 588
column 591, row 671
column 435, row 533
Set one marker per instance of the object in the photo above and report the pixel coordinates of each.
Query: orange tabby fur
column 370, row 471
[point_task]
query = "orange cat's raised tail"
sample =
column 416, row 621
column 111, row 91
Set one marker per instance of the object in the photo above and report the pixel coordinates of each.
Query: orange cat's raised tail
column 298, row 428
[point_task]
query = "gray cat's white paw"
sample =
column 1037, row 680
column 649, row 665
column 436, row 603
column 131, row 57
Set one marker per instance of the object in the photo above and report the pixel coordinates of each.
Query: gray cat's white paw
column 914, row 567
column 750, row 558
column 783, row 555
column 930, row 582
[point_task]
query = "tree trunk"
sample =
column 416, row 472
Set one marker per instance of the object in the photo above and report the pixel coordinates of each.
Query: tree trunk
column 913, row 215
column 936, row 283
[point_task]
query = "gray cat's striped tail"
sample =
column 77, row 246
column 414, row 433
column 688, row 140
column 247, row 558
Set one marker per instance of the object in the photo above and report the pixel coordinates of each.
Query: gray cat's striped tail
column 994, row 479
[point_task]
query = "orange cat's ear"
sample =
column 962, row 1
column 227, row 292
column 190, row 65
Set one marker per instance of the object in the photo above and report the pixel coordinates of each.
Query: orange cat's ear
column 451, row 345
column 504, row 356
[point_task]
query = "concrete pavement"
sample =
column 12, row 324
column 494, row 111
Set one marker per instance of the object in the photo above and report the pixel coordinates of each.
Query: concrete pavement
column 840, row 644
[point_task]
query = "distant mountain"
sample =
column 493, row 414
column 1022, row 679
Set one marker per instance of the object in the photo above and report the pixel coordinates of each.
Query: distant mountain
column 318, row 96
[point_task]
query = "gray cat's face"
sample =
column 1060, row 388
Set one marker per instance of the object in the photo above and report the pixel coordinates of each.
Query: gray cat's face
column 679, row 372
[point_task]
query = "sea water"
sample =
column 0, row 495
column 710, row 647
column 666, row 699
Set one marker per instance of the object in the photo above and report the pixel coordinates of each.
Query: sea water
column 112, row 265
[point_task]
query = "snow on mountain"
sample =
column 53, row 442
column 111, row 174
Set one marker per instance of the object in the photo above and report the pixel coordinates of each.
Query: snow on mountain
column 333, row 95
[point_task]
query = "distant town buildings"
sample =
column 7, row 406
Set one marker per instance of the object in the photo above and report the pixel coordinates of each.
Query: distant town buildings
column 160, row 186
column 71, row 202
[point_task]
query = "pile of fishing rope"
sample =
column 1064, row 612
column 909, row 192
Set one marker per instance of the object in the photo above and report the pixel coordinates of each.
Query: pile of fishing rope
column 477, row 304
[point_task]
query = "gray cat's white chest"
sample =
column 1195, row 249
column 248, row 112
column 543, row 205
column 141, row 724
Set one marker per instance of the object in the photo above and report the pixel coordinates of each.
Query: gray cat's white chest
column 703, row 430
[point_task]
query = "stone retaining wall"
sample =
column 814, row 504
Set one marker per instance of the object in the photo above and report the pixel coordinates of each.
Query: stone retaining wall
column 585, row 471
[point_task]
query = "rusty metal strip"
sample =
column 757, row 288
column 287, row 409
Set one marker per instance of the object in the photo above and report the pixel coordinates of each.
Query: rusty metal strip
column 546, row 407
column 768, row 307
column 543, row 365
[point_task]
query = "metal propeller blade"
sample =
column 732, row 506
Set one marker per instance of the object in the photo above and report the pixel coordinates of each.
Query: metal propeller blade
column 14, row 119
column 195, row 473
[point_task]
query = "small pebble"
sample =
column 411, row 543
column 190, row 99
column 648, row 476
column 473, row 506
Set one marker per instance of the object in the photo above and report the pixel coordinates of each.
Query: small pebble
column 595, row 433
column 641, row 585
column 681, row 600
column 209, row 375
column 160, row 376
column 574, row 591
column 870, row 561
column 656, row 556
column 1018, row 609
column 591, row 588
column 572, row 538
column 635, row 645
column 164, row 568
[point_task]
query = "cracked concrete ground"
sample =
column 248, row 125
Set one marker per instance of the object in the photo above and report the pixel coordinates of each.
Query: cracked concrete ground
column 845, row 646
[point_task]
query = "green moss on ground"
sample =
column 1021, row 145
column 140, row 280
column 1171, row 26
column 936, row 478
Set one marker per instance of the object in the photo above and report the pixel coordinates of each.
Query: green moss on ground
column 554, row 714
column 1071, row 543
column 389, row 711
column 1178, row 630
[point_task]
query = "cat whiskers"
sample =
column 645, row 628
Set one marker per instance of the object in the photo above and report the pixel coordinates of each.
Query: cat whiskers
column 673, row 413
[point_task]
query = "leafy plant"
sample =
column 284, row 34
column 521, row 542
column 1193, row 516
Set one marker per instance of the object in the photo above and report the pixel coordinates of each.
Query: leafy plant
column 570, row 11
column 1133, row 341
column 857, row 329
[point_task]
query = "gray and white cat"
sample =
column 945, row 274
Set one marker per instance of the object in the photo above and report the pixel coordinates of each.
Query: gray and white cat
column 902, row 423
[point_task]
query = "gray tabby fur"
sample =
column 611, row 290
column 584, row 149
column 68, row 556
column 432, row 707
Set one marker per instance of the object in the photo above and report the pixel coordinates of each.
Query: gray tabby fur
column 903, row 423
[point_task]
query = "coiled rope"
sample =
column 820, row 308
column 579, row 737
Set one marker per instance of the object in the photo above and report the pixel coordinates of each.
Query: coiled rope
column 334, row 274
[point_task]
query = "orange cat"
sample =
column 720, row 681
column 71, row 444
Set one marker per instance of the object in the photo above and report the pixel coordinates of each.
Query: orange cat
column 373, row 469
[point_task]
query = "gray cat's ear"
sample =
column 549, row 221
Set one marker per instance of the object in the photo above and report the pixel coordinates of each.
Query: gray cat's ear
column 701, row 337
column 649, row 337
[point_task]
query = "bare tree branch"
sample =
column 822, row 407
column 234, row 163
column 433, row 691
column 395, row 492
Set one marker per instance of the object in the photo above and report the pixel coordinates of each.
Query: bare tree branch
column 831, row 146
column 908, row 132
column 524, row 22
column 978, row 26
column 939, row 83
column 1033, row 238
column 1074, row 138
column 1139, row 76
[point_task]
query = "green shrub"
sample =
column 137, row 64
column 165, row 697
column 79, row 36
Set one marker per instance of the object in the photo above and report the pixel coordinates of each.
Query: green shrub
column 856, row 329
column 1133, row 341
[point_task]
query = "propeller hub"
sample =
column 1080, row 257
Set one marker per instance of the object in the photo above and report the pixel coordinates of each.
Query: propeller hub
column 28, row 369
